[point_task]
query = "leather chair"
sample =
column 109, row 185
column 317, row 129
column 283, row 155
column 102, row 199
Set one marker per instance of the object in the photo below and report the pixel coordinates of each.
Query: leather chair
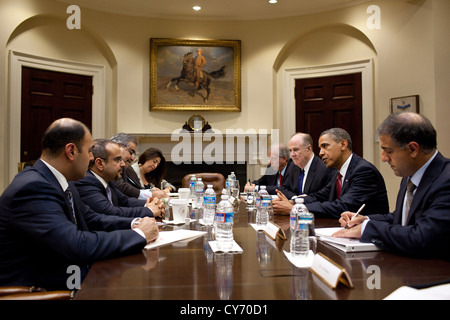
column 33, row 293
column 216, row 179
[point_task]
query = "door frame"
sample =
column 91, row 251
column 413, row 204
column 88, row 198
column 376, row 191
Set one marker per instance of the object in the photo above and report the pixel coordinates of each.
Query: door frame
column 17, row 60
column 363, row 66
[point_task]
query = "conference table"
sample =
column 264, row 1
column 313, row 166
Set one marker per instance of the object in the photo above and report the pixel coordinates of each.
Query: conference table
column 190, row 270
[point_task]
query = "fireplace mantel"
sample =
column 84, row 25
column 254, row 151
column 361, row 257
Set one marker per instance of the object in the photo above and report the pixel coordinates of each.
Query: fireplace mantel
column 232, row 147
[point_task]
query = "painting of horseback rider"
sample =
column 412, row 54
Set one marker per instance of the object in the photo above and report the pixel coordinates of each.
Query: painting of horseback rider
column 195, row 78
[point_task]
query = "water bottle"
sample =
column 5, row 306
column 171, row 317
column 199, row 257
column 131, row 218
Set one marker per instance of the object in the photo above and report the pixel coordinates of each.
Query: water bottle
column 251, row 199
column 299, row 236
column 209, row 202
column 262, row 215
column 199, row 193
column 192, row 188
column 265, row 196
column 224, row 224
column 229, row 184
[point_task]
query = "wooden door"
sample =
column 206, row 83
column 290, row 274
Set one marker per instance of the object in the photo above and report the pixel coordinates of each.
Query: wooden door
column 47, row 96
column 326, row 102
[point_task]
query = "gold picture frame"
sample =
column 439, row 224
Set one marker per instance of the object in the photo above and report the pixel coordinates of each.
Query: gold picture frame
column 181, row 80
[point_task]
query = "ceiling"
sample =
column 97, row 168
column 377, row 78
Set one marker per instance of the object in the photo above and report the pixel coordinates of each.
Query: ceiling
column 213, row 9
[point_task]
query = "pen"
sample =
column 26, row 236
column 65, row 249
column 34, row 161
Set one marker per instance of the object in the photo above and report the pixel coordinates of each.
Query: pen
column 357, row 213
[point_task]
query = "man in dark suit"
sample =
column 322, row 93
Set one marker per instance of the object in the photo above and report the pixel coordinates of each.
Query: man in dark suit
column 309, row 173
column 420, row 224
column 276, row 173
column 355, row 182
column 44, row 225
column 98, row 190
column 128, row 145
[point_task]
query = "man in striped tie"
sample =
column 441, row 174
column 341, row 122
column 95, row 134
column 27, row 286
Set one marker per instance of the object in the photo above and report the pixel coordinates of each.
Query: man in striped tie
column 420, row 224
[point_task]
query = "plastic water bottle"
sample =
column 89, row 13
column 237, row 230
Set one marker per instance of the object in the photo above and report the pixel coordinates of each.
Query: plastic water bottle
column 209, row 202
column 192, row 182
column 265, row 196
column 199, row 193
column 262, row 215
column 251, row 199
column 224, row 224
column 299, row 236
column 229, row 184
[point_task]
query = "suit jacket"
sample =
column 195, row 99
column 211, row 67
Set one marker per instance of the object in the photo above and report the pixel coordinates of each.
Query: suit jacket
column 39, row 239
column 363, row 183
column 127, row 188
column 318, row 177
column 270, row 178
column 427, row 230
column 93, row 194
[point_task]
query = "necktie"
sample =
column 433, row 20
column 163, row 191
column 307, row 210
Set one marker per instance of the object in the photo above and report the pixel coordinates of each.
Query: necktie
column 108, row 193
column 69, row 196
column 410, row 187
column 338, row 185
column 300, row 182
column 280, row 176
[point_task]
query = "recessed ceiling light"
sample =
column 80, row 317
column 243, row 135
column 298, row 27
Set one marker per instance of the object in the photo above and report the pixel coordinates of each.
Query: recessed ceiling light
column 273, row 1
column 197, row 8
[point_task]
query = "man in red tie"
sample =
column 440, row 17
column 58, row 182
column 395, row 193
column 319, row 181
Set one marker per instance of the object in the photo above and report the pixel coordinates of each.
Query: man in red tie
column 355, row 182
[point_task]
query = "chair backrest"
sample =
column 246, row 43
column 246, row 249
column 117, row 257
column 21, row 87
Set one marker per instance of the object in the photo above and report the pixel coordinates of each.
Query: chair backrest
column 216, row 179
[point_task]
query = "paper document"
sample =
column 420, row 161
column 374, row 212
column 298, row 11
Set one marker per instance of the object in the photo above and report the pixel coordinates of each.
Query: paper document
column 440, row 292
column 166, row 237
column 344, row 244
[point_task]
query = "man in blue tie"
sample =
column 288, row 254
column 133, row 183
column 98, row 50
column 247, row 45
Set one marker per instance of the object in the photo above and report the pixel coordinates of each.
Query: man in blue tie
column 309, row 173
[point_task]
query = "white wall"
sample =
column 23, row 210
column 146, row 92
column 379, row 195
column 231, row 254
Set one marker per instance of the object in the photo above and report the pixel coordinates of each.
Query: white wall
column 410, row 54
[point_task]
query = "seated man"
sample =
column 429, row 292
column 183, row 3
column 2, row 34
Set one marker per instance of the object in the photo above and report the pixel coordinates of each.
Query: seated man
column 355, row 182
column 45, row 227
column 276, row 173
column 420, row 224
column 309, row 173
column 98, row 190
column 128, row 144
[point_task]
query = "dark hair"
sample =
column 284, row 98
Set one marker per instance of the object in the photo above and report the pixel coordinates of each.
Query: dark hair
column 154, row 176
column 408, row 126
column 60, row 133
column 99, row 150
column 339, row 134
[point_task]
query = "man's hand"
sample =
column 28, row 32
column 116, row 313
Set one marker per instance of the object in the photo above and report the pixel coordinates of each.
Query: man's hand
column 149, row 227
column 281, row 205
column 157, row 206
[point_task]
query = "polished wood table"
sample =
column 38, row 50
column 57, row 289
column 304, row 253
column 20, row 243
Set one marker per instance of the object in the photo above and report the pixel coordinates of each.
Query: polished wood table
column 191, row 271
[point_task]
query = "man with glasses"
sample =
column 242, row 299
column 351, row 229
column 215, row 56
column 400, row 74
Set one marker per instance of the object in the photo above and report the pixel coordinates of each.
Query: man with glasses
column 98, row 190
column 277, row 171
column 128, row 145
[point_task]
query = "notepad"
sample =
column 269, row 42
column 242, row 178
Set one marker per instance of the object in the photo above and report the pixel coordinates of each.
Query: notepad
column 344, row 244
column 166, row 237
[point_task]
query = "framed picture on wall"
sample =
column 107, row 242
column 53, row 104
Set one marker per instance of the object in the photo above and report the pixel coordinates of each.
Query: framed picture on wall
column 402, row 104
column 200, row 75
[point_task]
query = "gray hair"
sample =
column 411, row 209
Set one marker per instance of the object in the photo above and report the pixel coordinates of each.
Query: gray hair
column 124, row 139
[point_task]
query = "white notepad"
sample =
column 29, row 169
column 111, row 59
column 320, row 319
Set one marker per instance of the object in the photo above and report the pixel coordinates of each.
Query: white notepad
column 344, row 244
column 166, row 237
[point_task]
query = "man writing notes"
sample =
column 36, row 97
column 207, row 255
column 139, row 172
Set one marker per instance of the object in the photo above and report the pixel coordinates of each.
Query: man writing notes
column 420, row 224
column 355, row 182
column 98, row 190
column 44, row 225
column 276, row 173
